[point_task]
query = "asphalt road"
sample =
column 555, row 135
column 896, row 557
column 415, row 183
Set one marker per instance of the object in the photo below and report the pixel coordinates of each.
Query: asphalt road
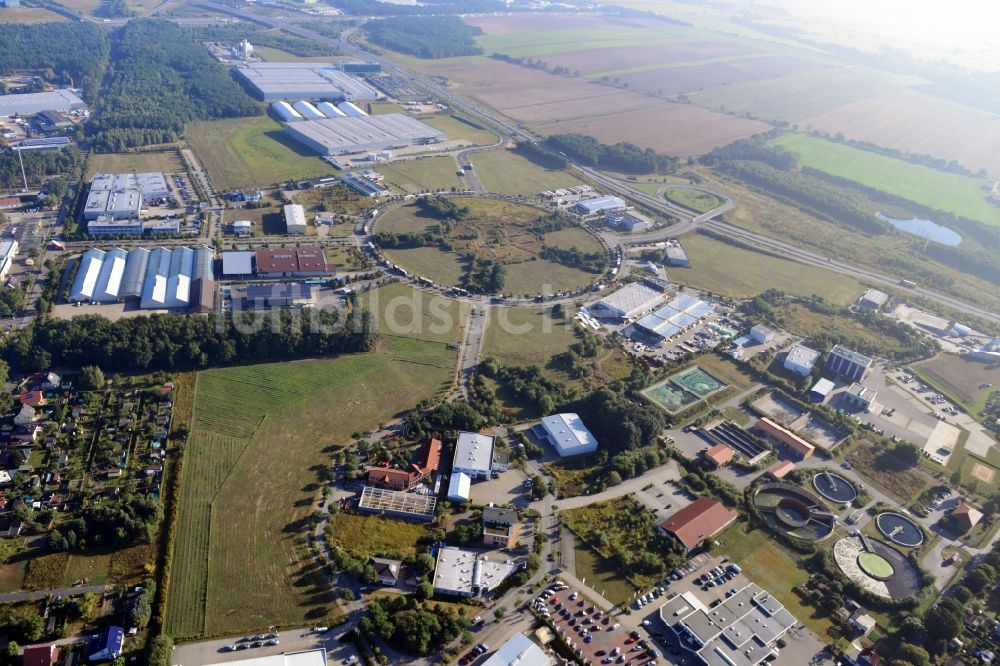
column 292, row 640
column 58, row 592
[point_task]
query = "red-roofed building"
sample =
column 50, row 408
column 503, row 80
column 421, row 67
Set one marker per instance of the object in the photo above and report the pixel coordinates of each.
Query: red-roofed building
column 700, row 520
column 291, row 262
column 720, row 455
column 799, row 447
column 780, row 469
column 397, row 479
column 965, row 517
column 40, row 655
column 33, row 398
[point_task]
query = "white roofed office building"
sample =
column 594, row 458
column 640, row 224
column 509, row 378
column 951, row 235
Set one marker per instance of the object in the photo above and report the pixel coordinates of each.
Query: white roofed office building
column 463, row 573
column 567, row 434
column 628, row 302
column 518, row 651
column 801, row 360
column 8, row 251
column 295, row 219
column 473, row 455
column 848, row 363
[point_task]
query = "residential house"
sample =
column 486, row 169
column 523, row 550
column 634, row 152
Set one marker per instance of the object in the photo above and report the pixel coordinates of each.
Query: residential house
column 40, row 655
column 861, row 622
column 388, row 570
column 26, row 433
column 50, row 381
column 25, row 416
column 33, row 398
column 500, row 526
column 965, row 517
column 106, row 644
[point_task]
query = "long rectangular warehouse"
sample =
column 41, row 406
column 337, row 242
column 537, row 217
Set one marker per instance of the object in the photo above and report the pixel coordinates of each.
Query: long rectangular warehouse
column 63, row 99
column 303, row 80
column 339, row 136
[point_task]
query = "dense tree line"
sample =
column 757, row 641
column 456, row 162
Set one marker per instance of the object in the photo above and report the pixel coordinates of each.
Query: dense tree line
column 162, row 81
column 443, row 208
column 413, row 627
column 260, row 36
column 378, row 8
column 534, row 63
column 425, row 36
column 592, row 262
column 541, row 155
column 125, row 521
column 38, row 165
column 168, row 342
column 75, row 52
column 624, row 157
column 484, row 276
column 620, row 422
column 754, row 149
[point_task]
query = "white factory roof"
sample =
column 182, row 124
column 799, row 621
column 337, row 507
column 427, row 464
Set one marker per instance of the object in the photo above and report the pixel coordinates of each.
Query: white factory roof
column 295, row 217
column 149, row 183
column 334, row 136
column 168, row 278
column 568, row 434
column 518, row 651
column 54, row 100
column 801, row 356
column 315, row 657
column 822, row 387
column 875, row 297
column 8, row 248
column 631, row 300
column 237, row 263
column 85, row 284
column 109, row 282
column 474, row 452
column 669, row 320
column 467, row 573
column 459, row 487
column 303, row 80
column 598, row 204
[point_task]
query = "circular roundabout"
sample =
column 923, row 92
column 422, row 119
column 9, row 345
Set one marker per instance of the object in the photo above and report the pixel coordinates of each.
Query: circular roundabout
column 834, row 487
column 899, row 529
column 877, row 567
column 790, row 509
column 490, row 245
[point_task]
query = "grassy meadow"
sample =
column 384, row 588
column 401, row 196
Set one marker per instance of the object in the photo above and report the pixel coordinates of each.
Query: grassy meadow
column 507, row 172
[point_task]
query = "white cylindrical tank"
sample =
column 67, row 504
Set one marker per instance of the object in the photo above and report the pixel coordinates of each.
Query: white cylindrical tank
column 307, row 110
column 285, row 112
column 330, row 110
column 351, row 109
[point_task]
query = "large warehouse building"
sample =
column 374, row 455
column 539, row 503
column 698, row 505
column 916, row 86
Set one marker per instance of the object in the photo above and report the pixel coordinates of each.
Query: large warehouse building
column 674, row 317
column 628, row 302
column 28, row 103
column 567, row 434
column 303, row 80
column 356, row 134
column 160, row 279
column 121, row 195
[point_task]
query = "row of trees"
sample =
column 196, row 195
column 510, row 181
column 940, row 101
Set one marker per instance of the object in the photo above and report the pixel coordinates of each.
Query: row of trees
column 69, row 53
column 592, row 262
column 162, row 81
column 169, row 342
column 484, row 276
column 425, row 36
column 122, row 522
column 624, row 157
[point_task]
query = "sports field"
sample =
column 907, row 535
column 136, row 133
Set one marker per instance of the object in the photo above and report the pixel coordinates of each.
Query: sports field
column 241, row 562
column 507, row 172
column 425, row 174
column 734, row 271
column 949, row 192
column 682, row 390
column 167, row 161
column 247, row 152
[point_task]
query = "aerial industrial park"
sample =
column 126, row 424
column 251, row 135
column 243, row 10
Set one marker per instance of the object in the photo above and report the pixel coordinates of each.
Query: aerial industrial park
column 498, row 334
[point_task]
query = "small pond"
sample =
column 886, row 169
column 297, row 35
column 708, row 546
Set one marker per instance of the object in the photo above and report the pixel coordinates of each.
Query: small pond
column 924, row 228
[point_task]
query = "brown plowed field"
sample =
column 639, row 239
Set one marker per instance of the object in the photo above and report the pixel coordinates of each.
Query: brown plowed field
column 919, row 123
column 520, row 23
column 677, row 80
column 556, row 104
column 603, row 60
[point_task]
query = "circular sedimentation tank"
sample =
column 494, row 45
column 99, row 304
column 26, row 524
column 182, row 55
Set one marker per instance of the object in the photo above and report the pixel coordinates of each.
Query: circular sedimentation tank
column 793, row 510
column 899, row 529
column 834, row 487
column 875, row 566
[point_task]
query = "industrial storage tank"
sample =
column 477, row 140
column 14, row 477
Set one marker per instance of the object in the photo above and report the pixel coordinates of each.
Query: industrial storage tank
column 330, row 110
column 204, row 257
column 135, row 273
column 307, row 110
column 110, row 280
column 351, row 109
column 285, row 112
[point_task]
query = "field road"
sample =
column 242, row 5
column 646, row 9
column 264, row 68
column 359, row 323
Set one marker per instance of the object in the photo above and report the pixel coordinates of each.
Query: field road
column 14, row 597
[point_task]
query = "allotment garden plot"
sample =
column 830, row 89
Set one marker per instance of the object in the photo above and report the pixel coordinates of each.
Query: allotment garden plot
column 682, row 390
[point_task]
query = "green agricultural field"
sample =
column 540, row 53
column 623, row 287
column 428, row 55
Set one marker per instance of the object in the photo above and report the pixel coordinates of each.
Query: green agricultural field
column 167, row 161
column 696, row 200
column 277, row 55
column 404, row 310
column 432, row 263
column 949, row 192
column 460, row 128
column 526, row 336
column 961, row 379
column 544, row 42
column 367, row 536
column 725, row 269
column 571, row 237
column 246, row 152
column 507, row 172
column 425, row 174
column 241, row 562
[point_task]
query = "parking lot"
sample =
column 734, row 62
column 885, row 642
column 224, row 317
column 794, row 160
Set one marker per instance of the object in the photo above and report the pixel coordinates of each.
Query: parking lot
column 292, row 640
column 595, row 635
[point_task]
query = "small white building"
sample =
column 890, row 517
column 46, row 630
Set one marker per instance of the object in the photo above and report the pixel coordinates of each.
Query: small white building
column 464, row 573
column 568, row 435
column 518, row 651
column 459, row 487
column 873, row 299
column 295, row 219
column 473, row 455
column 242, row 228
column 8, row 251
column 801, row 360
column 761, row 334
